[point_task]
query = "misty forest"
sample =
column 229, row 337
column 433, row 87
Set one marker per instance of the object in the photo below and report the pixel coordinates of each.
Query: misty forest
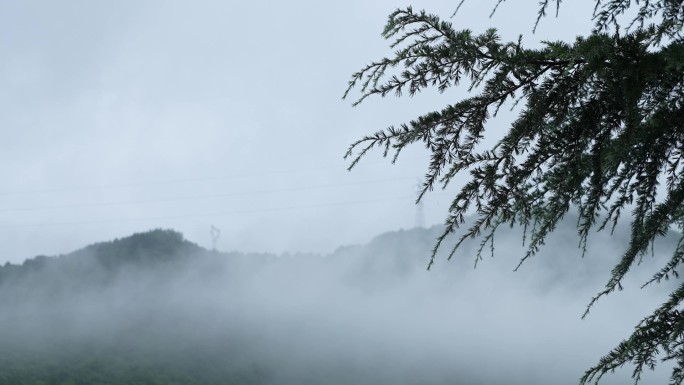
column 177, row 206
column 154, row 308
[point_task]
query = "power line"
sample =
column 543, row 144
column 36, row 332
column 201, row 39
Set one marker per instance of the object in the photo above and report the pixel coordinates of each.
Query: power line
column 177, row 181
column 200, row 215
column 197, row 197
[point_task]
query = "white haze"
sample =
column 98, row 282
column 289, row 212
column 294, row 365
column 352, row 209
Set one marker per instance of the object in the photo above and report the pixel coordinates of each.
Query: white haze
column 127, row 115
column 369, row 314
column 120, row 116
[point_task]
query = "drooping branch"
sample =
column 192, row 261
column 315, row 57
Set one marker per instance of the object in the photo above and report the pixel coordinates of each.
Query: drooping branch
column 601, row 130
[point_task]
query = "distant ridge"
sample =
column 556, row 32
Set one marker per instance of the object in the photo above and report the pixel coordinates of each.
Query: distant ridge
column 156, row 245
column 154, row 308
column 152, row 246
column 150, row 253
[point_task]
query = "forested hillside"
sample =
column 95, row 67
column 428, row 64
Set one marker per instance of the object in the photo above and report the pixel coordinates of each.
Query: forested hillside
column 154, row 308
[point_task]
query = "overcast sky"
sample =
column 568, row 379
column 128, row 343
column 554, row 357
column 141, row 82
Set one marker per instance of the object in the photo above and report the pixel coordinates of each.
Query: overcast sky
column 122, row 116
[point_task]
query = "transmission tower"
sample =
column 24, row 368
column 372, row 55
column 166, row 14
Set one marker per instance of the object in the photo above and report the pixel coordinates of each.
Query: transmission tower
column 215, row 233
column 420, row 211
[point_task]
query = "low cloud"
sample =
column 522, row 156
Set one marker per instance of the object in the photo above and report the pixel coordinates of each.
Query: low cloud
column 363, row 314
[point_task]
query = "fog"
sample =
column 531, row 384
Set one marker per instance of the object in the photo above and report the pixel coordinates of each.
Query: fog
column 130, row 115
column 365, row 314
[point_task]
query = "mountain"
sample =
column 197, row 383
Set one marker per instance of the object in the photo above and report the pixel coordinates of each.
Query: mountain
column 144, row 248
column 154, row 308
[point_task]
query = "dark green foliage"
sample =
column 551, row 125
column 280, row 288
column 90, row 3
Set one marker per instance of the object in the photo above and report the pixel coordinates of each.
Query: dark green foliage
column 150, row 247
column 115, row 369
column 600, row 129
column 97, row 265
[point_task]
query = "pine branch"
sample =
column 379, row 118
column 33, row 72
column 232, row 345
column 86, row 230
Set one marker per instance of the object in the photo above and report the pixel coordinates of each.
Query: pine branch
column 601, row 131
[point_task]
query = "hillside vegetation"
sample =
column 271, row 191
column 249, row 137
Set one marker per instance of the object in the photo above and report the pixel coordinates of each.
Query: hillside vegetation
column 154, row 308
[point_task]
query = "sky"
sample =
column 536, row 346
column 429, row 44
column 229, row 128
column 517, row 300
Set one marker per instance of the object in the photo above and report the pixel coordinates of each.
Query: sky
column 119, row 117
